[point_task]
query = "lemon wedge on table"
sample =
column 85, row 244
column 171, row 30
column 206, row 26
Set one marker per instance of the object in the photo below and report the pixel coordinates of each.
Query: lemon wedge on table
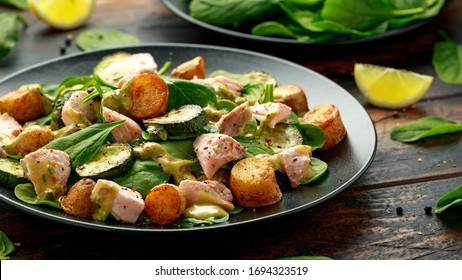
column 390, row 88
column 62, row 14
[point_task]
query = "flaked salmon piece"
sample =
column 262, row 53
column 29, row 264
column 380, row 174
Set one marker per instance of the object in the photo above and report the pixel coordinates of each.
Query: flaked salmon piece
column 125, row 133
column 271, row 112
column 9, row 127
column 49, row 171
column 233, row 123
column 127, row 205
column 76, row 112
column 296, row 162
column 123, row 203
column 223, row 81
column 207, row 193
column 215, row 150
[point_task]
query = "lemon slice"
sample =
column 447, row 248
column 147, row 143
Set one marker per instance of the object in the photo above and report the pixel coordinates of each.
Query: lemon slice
column 390, row 88
column 62, row 14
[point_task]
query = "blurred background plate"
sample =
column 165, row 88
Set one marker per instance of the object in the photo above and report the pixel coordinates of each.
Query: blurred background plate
column 181, row 9
column 347, row 161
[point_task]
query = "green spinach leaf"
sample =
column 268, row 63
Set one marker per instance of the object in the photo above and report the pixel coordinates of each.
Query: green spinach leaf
column 9, row 33
column 320, row 167
column 26, row 193
column 96, row 39
column 84, row 144
column 143, row 176
column 447, row 61
column 20, row 4
column 182, row 92
column 449, row 200
column 6, row 246
column 422, row 128
column 312, row 135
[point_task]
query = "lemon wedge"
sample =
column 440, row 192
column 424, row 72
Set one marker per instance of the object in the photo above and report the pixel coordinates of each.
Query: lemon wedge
column 62, row 14
column 390, row 88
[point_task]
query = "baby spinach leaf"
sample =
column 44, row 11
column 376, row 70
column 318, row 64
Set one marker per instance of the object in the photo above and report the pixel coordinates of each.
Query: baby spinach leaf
column 449, row 200
column 143, row 176
column 229, row 12
column 422, row 128
column 191, row 222
column 6, row 246
column 20, row 4
column 182, row 92
column 26, row 193
column 84, row 144
column 312, row 135
column 319, row 166
column 96, row 39
column 9, row 33
column 447, row 61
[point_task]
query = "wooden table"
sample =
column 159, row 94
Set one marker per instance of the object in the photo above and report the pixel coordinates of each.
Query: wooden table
column 360, row 223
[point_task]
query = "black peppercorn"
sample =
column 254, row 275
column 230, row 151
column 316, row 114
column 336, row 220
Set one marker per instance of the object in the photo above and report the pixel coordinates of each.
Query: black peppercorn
column 399, row 211
column 428, row 210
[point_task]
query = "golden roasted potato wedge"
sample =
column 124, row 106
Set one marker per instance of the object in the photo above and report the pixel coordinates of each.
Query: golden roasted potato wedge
column 253, row 183
column 25, row 103
column 77, row 201
column 190, row 69
column 327, row 117
column 292, row 96
column 29, row 140
column 164, row 204
column 145, row 96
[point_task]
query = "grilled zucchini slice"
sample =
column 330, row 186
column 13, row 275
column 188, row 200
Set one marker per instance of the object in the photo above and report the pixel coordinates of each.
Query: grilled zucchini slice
column 11, row 173
column 186, row 120
column 111, row 161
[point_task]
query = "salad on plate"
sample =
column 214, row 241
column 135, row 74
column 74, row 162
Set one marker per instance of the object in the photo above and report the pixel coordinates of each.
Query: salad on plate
column 134, row 143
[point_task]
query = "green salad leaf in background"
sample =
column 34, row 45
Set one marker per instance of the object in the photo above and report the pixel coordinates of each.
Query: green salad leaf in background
column 96, row 39
column 314, row 20
column 447, row 61
column 423, row 128
column 19, row 4
column 6, row 246
column 9, row 33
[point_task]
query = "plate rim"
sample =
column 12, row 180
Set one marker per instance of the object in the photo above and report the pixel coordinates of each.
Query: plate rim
column 119, row 227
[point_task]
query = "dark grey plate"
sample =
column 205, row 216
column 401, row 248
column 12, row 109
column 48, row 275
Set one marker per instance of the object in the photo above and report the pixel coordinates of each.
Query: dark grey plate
column 347, row 161
column 181, row 9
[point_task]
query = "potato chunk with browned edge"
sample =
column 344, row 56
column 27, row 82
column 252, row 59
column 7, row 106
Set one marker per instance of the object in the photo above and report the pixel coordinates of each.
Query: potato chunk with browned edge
column 25, row 103
column 253, row 183
column 145, row 96
column 77, row 201
column 327, row 117
column 164, row 204
column 190, row 69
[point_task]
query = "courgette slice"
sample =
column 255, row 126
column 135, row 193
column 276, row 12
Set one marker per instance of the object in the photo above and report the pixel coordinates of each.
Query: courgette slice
column 56, row 121
column 11, row 173
column 111, row 161
column 281, row 137
column 186, row 120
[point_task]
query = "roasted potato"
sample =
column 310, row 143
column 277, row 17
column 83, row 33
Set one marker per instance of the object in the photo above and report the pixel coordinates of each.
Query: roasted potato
column 190, row 69
column 29, row 140
column 145, row 96
column 25, row 103
column 77, row 201
column 292, row 96
column 327, row 117
column 253, row 183
column 164, row 204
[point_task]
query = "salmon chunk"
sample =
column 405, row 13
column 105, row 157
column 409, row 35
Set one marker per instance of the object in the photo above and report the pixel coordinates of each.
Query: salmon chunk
column 215, row 150
column 49, row 171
